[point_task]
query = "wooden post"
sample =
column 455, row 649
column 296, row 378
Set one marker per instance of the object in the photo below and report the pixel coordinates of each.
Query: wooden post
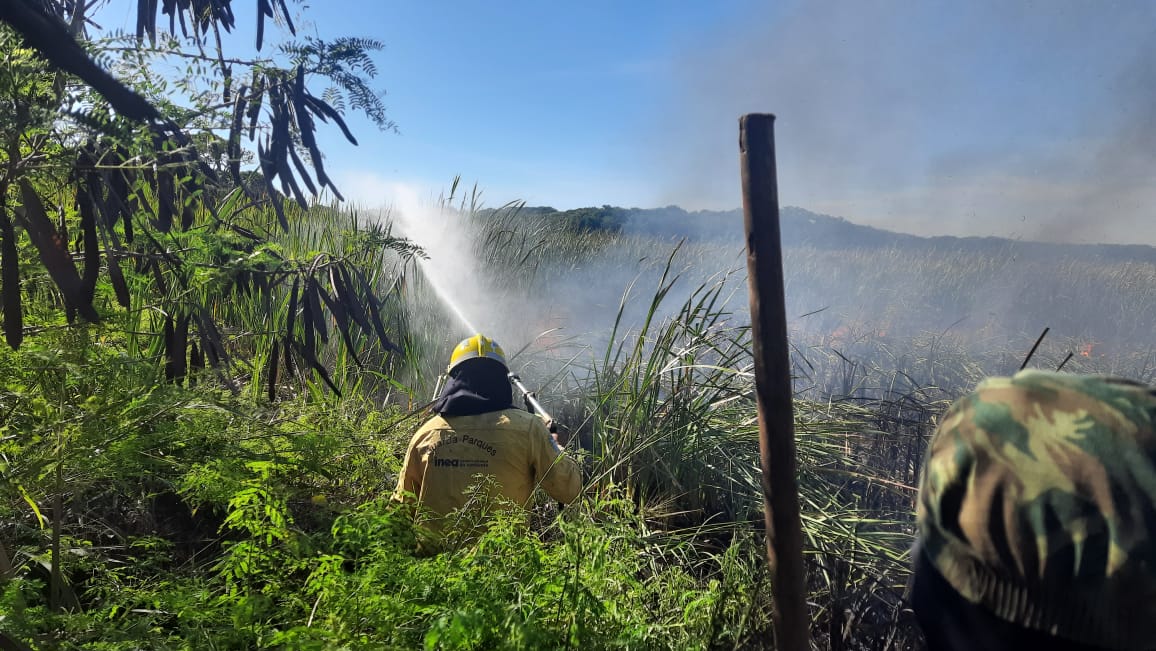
column 773, row 388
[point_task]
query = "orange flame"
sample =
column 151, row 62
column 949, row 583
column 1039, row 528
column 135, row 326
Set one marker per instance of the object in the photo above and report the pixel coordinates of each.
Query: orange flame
column 1086, row 350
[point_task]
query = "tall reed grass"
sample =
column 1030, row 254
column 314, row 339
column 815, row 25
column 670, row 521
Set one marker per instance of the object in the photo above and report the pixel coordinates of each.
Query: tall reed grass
column 657, row 387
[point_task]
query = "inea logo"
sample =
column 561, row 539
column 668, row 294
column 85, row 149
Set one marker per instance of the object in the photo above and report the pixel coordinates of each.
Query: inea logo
column 451, row 463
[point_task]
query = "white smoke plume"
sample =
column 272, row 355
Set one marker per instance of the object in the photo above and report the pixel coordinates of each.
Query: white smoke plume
column 1014, row 118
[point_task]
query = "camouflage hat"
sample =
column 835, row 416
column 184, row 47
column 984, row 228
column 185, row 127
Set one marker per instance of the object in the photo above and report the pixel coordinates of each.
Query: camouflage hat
column 1038, row 503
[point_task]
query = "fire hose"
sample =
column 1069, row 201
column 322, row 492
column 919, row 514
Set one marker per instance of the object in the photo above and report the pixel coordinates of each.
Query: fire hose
column 535, row 407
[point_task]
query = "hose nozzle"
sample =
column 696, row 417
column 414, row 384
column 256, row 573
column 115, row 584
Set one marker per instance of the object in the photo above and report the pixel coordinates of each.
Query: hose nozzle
column 532, row 403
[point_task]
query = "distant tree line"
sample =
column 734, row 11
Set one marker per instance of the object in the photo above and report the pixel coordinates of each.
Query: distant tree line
column 609, row 219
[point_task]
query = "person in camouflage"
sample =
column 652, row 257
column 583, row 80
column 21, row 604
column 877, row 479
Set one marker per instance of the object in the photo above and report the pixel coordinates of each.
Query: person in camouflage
column 1037, row 517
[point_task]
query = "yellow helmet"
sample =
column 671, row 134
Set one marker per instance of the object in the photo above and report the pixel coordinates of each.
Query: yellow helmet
column 476, row 346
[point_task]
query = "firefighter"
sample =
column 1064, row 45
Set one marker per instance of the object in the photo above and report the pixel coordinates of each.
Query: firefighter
column 1037, row 517
column 478, row 431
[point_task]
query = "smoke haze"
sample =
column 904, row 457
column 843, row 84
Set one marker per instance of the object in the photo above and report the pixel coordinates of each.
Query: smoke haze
column 1030, row 120
column 552, row 298
column 553, row 311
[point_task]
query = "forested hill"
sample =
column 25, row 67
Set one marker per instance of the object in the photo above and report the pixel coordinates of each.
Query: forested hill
column 802, row 227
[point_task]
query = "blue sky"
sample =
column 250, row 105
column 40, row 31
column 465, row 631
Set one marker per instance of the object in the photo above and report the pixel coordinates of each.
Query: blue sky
column 1030, row 119
column 546, row 102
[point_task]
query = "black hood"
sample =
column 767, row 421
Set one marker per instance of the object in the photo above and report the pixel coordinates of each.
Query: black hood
column 476, row 386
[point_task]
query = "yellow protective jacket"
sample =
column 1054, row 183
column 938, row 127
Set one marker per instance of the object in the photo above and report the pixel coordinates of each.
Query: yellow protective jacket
column 511, row 445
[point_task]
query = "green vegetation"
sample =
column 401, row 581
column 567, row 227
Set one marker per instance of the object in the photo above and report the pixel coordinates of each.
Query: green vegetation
column 195, row 515
column 201, row 426
column 201, row 514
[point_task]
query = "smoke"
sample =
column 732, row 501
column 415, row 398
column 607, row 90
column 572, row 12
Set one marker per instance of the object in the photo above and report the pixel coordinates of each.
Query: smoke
column 1021, row 119
column 554, row 308
column 448, row 264
column 557, row 303
column 533, row 305
column 455, row 294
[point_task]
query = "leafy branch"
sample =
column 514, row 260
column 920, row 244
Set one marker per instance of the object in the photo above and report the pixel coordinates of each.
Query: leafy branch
column 142, row 183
